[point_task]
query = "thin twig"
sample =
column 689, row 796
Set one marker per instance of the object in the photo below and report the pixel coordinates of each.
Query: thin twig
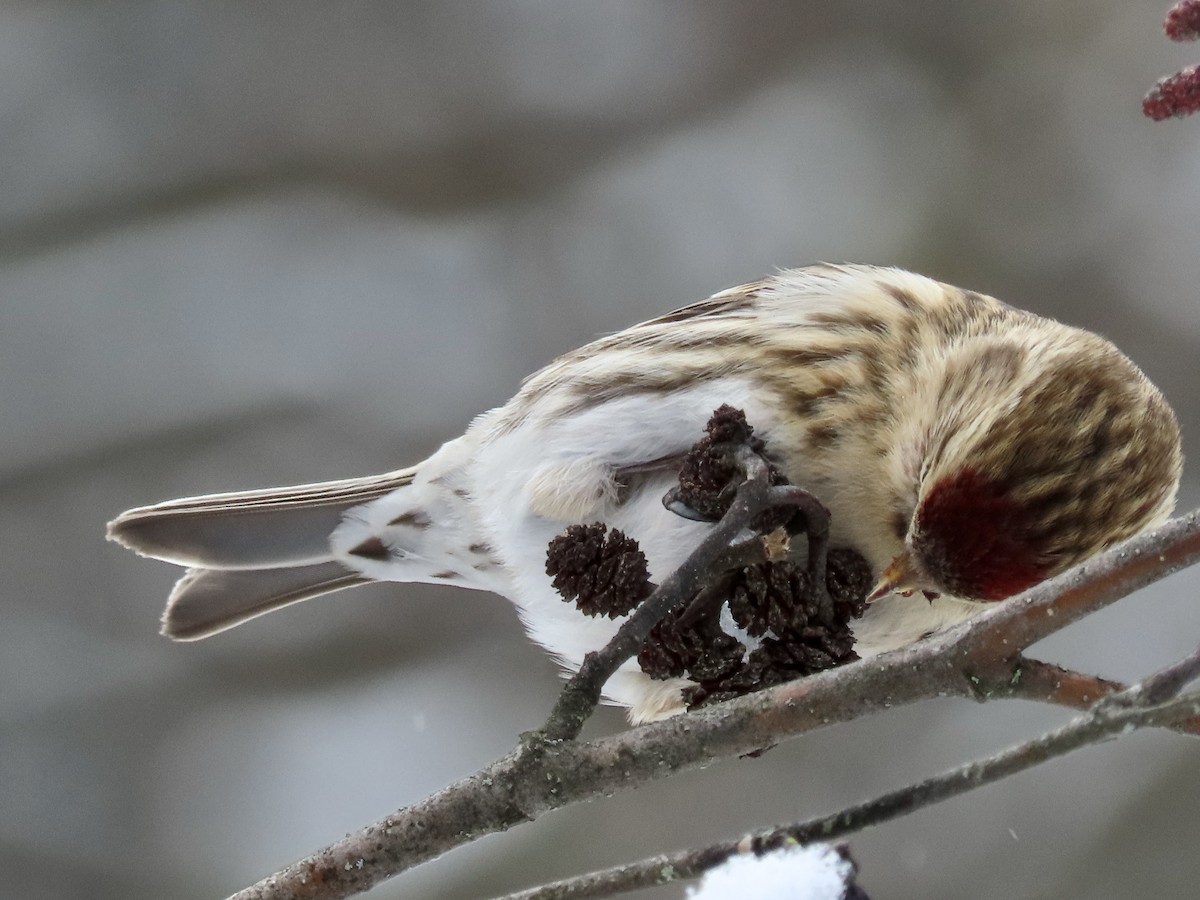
column 1165, row 684
column 1153, row 702
column 1033, row 679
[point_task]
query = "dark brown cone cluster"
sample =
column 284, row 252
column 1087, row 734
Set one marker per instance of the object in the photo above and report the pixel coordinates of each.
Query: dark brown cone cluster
column 700, row 650
column 770, row 601
column 602, row 572
column 709, row 476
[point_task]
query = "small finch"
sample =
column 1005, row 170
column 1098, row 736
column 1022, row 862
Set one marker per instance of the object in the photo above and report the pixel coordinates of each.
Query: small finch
column 965, row 448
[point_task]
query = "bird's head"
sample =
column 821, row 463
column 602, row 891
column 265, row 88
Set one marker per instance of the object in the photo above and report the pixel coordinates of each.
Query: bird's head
column 1042, row 450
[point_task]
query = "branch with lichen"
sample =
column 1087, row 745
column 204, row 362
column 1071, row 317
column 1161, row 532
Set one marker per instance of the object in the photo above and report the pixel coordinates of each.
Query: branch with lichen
column 980, row 659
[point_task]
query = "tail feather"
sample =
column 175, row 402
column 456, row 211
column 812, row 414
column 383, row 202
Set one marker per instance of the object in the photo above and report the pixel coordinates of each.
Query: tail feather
column 279, row 527
column 207, row 601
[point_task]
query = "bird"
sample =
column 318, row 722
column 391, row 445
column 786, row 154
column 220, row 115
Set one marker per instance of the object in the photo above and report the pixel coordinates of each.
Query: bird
column 965, row 448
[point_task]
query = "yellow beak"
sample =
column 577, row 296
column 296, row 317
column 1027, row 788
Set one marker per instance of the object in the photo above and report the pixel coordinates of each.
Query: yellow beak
column 900, row 577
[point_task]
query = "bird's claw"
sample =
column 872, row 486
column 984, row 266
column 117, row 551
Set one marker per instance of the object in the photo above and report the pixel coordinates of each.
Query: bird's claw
column 673, row 502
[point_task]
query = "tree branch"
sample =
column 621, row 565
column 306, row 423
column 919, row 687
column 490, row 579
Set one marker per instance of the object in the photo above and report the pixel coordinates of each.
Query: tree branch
column 1024, row 620
column 974, row 659
column 1033, row 679
column 1152, row 702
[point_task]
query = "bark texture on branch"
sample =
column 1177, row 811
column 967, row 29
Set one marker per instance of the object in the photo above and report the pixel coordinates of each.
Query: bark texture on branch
column 975, row 659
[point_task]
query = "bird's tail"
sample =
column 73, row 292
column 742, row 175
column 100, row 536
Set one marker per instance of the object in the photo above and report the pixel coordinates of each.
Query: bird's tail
column 251, row 552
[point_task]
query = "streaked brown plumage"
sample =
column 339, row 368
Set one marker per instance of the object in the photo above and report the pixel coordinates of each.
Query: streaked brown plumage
column 963, row 446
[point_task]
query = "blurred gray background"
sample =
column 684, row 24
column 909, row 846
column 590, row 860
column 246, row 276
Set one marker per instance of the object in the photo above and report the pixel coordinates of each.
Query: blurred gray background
column 254, row 244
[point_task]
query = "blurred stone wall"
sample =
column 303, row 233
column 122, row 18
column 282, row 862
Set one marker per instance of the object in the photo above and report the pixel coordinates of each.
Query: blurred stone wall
column 246, row 244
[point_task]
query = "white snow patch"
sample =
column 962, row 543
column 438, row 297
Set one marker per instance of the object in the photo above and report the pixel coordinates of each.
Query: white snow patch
column 814, row 872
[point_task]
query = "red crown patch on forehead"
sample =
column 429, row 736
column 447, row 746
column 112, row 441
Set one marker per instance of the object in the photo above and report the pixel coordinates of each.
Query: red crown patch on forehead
column 975, row 541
